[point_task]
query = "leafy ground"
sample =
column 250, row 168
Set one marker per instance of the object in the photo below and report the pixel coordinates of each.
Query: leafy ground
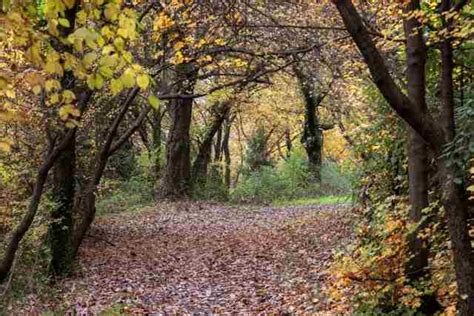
column 205, row 258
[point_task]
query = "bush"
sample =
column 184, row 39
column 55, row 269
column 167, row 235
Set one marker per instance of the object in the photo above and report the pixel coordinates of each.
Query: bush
column 368, row 278
column 212, row 188
column 118, row 196
column 333, row 180
column 290, row 179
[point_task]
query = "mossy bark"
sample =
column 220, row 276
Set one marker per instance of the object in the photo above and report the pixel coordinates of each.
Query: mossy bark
column 60, row 228
column 312, row 138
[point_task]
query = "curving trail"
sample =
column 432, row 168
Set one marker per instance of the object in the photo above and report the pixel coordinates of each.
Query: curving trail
column 201, row 258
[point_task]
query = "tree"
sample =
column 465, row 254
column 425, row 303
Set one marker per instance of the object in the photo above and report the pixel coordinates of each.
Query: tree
column 454, row 200
column 417, row 150
column 312, row 138
column 177, row 175
column 199, row 170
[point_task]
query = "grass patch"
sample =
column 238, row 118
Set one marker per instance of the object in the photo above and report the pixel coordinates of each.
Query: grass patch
column 321, row 200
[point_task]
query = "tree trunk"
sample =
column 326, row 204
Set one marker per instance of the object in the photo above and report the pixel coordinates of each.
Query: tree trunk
column 447, row 89
column 199, row 171
column 454, row 196
column 157, row 117
column 417, row 149
column 457, row 210
column 217, row 146
column 20, row 230
column 42, row 174
column 60, row 228
column 85, row 207
column 176, row 180
column 454, row 199
column 226, row 150
column 312, row 138
column 288, row 142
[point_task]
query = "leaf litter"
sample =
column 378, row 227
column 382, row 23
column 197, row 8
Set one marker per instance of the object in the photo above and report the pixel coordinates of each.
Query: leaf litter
column 203, row 258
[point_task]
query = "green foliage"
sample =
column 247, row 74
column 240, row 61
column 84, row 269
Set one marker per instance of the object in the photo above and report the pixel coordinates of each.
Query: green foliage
column 261, row 186
column 118, row 196
column 290, row 179
column 256, row 155
column 459, row 152
column 381, row 147
column 323, row 200
column 333, row 180
column 122, row 163
column 213, row 188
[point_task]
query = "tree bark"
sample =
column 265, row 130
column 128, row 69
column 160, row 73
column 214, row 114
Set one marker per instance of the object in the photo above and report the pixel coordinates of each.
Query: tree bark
column 60, row 228
column 417, row 149
column 312, row 138
column 199, row 170
column 217, row 146
column 454, row 200
column 20, row 230
column 288, row 142
column 447, row 89
column 176, row 180
column 226, row 150
column 157, row 117
column 85, row 206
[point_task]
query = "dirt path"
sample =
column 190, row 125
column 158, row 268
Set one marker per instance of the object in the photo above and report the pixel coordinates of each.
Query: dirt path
column 204, row 258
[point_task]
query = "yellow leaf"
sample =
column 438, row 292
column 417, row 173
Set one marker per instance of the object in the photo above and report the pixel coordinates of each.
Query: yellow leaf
column 89, row 59
column 10, row 93
column 37, row 89
column 54, row 98
column 68, row 96
column 116, row 86
column 219, row 42
column 119, row 43
column 53, row 67
column 5, row 145
column 52, row 85
column 178, row 45
column 143, row 81
column 68, row 110
column 109, row 60
column 128, row 78
column 69, row 3
column 111, row 11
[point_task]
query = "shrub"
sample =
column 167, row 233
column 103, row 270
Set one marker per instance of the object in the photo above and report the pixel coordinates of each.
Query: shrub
column 117, row 196
column 212, row 188
column 290, row 179
column 369, row 277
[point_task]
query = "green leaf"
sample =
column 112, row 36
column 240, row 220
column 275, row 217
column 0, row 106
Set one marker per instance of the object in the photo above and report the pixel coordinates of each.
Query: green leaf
column 88, row 59
column 154, row 102
column 64, row 22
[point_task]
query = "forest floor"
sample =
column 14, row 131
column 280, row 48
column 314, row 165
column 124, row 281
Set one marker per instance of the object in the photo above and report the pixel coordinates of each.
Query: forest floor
column 203, row 258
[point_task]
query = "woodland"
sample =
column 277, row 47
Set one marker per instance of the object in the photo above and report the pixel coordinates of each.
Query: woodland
column 248, row 157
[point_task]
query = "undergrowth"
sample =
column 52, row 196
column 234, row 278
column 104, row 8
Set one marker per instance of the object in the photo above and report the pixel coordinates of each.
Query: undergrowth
column 290, row 180
column 129, row 195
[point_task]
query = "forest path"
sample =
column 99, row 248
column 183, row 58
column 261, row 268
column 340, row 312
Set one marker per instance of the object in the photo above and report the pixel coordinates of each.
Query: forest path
column 201, row 258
